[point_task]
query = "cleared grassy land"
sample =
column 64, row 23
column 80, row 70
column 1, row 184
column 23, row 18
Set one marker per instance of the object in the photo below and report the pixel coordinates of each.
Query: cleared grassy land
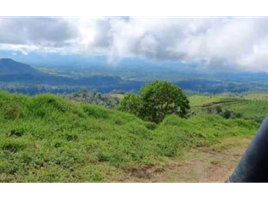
column 251, row 109
column 256, row 96
column 199, row 100
column 48, row 139
column 252, row 106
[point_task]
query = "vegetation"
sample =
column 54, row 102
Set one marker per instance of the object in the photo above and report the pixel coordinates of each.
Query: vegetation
column 251, row 109
column 32, row 89
column 155, row 101
column 46, row 138
column 199, row 100
column 80, row 136
column 252, row 106
column 94, row 98
column 73, row 138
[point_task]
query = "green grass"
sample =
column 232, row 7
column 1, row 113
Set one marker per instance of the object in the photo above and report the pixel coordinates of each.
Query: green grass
column 256, row 96
column 49, row 139
column 251, row 109
column 199, row 100
column 252, row 106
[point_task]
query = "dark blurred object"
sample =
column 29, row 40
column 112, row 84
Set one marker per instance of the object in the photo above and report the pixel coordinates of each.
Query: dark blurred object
column 253, row 167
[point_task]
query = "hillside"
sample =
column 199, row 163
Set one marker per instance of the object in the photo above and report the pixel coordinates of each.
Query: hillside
column 11, row 67
column 49, row 139
column 253, row 106
column 16, row 76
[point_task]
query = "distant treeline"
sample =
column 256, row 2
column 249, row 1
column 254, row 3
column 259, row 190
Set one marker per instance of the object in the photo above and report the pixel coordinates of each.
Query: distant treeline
column 32, row 85
column 94, row 98
column 32, row 89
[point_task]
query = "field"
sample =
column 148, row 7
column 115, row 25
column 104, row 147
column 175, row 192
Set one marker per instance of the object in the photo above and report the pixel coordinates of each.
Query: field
column 256, row 96
column 199, row 100
column 252, row 106
column 46, row 138
column 251, row 109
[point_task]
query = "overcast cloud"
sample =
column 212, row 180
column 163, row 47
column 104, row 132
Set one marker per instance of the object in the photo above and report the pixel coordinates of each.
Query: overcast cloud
column 215, row 43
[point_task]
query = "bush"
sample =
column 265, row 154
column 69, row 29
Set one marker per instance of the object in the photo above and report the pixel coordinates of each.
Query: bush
column 227, row 114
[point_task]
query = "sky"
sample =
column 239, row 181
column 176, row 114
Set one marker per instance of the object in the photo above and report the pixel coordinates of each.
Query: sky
column 213, row 43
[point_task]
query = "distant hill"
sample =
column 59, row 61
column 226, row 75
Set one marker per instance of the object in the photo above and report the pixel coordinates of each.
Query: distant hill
column 20, row 77
column 15, row 72
column 11, row 67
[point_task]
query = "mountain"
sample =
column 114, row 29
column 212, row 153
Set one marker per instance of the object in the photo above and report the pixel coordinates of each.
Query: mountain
column 11, row 67
column 16, row 73
column 19, row 77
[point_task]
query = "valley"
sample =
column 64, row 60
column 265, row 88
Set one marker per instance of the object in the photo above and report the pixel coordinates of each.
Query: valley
column 30, row 79
column 56, row 127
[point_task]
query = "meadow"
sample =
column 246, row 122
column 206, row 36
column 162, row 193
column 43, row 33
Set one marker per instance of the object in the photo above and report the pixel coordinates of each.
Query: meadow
column 46, row 138
column 253, row 106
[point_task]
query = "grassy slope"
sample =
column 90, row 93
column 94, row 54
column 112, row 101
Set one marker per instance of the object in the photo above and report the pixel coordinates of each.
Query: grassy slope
column 48, row 139
column 251, row 109
column 199, row 100
column 256, row 96
column 252, row 105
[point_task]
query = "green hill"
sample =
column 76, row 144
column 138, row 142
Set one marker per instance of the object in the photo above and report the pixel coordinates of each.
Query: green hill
column 253, row 106
column 46, row 138
column 11, row 67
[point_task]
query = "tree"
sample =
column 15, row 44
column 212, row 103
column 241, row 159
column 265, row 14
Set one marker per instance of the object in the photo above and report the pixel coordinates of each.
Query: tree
column 227, row 114
column 131, row 103
column 84, row 93
column 155, row 101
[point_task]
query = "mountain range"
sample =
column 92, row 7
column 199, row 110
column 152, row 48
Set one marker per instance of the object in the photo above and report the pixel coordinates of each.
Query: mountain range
column 14, row 75
column 16, row 72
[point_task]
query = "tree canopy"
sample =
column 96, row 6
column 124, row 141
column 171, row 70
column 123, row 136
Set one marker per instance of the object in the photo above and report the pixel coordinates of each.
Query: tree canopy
column 155, row 101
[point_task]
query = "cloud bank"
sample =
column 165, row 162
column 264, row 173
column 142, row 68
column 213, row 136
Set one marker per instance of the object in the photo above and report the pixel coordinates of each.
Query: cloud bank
column 214, row 43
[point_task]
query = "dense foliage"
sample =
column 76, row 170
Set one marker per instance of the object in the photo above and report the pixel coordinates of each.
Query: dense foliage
column 94, row 98
column 155, row 101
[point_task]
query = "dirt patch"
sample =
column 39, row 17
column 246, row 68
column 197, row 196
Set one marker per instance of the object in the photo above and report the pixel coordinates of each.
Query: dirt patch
column 145, row 173
column 210, row 164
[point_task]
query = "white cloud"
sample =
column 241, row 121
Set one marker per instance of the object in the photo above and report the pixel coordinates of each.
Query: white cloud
column 39, row 31
column 215, row 43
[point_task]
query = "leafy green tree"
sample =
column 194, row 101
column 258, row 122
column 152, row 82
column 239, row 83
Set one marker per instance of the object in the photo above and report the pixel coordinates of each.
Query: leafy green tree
column 155, row 101
column 160, row 99
column 131, row 103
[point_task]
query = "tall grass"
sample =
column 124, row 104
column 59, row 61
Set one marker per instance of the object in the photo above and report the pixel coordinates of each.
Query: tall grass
column 48, row 139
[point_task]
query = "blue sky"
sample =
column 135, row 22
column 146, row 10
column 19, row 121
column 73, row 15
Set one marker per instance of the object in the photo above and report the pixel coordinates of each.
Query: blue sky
column 213, row 43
